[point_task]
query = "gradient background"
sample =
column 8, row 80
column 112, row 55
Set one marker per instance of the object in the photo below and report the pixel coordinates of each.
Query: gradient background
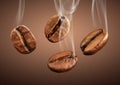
column 102, row 68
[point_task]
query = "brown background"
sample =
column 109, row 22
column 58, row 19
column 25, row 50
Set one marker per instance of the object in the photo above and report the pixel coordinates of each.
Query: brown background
column 102, row 68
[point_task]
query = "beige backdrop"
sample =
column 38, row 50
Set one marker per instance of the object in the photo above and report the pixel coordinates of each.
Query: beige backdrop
column 102, row 68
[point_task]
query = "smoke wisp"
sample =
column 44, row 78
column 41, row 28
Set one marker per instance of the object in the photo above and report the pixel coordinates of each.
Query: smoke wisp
column 20, row 12
column 99, row 14
column 67, row 8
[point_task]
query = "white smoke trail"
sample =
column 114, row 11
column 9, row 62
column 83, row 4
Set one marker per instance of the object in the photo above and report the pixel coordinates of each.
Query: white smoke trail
column 20, row 12
column 67, row 8
column 99, row 14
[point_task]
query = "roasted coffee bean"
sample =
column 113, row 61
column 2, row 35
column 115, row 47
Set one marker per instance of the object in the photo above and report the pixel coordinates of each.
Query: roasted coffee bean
column 23, row 39
column 94, row 41
column 62, row 62
column 57, row 28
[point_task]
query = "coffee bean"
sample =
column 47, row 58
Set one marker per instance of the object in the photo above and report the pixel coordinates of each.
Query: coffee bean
column 94, row 41
column 62, row 62
column 23, row 39
column 57, row 28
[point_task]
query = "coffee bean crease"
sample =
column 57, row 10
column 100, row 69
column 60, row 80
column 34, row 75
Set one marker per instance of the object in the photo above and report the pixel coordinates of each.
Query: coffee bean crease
column 88, row 42
column 61, row 58
column 23, row 38
column 55, row 28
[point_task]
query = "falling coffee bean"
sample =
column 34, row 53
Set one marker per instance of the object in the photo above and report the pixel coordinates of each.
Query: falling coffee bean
column 57, row 28
column 94, row 41
column 62, row 62
column 23, row 39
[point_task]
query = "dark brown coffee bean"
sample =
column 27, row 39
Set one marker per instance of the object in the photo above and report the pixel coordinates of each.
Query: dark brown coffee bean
column 57, row 28
column 23, row 39
column 62, row 62
column 94, row 41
